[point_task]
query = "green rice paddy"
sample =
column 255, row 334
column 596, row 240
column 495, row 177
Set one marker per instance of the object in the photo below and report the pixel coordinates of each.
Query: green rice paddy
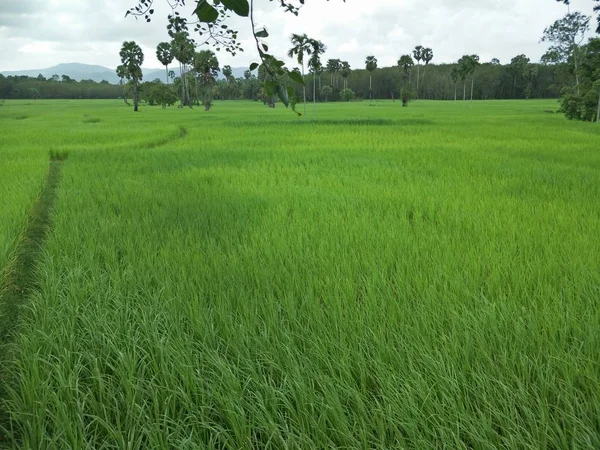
column 382, row 277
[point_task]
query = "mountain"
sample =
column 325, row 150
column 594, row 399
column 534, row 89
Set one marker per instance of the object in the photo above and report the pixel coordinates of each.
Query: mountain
column 79, row 72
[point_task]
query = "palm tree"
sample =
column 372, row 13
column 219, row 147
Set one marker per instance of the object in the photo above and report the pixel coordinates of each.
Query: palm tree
column 121, row 75
column 182, row 49
column 206, row 66
column 427, row 55
column 466, row 66
column 406, row 63
column 371, row 65
column 227, row 72
column 345, row 72
column 472, row 64
column 132, row 59
column 317, row 48
column 333, row 66
column 301, row 47
column 418, row 54
column 164, row 55
column 455, row 75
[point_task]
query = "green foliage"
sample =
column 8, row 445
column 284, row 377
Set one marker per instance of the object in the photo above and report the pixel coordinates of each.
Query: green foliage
column 132, row 59
column 164, row 53
column 582, row 102
column 407, row 93
column 371, row 63
column 347, row 95
column 565, row 35
column 326, row 92
column 163, row 95
column 405, row 63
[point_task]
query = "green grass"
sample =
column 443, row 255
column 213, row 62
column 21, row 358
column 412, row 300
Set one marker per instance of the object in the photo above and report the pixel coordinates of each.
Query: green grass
column 386, row 277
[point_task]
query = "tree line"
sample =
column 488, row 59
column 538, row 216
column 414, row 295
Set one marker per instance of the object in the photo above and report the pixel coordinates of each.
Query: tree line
column 518, row 79
column 55, row 87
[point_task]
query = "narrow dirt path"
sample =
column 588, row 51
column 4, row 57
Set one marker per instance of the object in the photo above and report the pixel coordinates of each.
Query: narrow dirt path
column 20, row 279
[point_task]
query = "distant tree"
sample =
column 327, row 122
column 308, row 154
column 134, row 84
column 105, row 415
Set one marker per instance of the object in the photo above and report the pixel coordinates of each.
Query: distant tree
column 583, row 101
column 132, row 59
column 55, row 78
column 371, row 66
column 418, row 55
column 165, row 56
column 406, row 63
column 206, row 65
column 326, row 92
column 104, row 82
column 67, row 79
column 41, row 77
column 317, row 48
column 121, row 75
column 347, row 95
column 427, row 55
column 345, row 72
column 333, row 67
column 529, row 74
column 301, row 46
column 227, row 72
column 517, row 67
column 247, row 74
column 455, row 75
column 33, row 93
column 565, row 35
column 163, row 94
column 182, row 49
column 495, row 62
column 596, row 9
column 466, row 66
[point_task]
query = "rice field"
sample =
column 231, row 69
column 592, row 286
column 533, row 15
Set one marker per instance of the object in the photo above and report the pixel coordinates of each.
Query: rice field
column 382, row 277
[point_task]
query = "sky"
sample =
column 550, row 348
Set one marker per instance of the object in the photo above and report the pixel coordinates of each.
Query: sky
column 36, row 34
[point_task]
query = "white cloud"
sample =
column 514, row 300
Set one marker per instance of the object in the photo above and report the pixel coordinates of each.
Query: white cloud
column 38, row 33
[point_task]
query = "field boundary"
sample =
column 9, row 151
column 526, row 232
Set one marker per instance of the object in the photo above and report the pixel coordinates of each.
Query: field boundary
column 19, row 280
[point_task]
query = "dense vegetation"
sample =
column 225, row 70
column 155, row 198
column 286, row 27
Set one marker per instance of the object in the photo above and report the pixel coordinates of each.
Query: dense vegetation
column 385, row 277
column 492, row 81
column 56, row 87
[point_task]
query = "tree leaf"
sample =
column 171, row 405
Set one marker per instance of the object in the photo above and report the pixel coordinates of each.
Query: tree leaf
column 206, row 12
column 295, row 76
column 283, row 95
column 240, row 7
column 262, row 33
column 253, row 66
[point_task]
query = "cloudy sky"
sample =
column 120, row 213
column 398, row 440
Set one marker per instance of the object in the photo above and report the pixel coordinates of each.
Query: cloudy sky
column 41, row 33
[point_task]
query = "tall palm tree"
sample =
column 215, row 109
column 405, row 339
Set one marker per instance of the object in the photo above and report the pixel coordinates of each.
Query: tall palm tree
column 466, row 66
column 317, row 48
column 330, row 68
column 132, row 59
column 182, row 49
column 455, row 75
column 406, row 63
column 206, row 66
column 473, row 64
column 227, row 72
column 427, row 56
column 164, row 55
column 371, row 65
column 418, row 54
column 345, row 72
column 301, row 47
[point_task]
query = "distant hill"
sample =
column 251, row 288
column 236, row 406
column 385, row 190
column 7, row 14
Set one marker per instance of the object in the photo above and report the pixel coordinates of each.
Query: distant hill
column 79, row 72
